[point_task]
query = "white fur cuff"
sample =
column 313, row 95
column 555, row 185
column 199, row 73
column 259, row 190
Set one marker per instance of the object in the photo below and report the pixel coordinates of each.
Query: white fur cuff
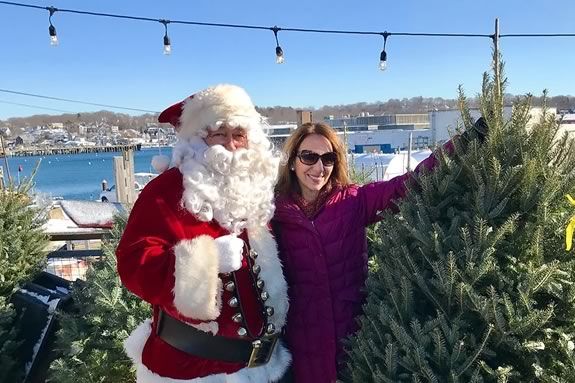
column 196, row 287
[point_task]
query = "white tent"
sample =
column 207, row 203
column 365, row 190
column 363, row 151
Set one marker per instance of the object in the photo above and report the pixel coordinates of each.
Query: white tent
column 382, row 167
column 399, row 165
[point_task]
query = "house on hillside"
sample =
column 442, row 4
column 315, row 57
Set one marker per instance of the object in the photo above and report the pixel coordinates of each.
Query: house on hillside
column 24, row 140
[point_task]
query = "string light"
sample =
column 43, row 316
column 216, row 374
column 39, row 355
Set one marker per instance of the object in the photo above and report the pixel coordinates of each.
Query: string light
column 167, row 45
column 279, row 51
column 275, row 29
column 52, row 28
column 383, row 54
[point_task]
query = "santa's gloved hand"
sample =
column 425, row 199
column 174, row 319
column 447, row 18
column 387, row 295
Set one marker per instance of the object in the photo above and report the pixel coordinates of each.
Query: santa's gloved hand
column 230, row 250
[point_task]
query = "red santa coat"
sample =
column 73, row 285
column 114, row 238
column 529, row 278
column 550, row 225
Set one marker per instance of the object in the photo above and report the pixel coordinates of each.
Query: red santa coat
column 168, row 257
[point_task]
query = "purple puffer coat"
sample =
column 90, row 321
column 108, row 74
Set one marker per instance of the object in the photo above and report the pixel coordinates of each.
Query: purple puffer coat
column 325, row 264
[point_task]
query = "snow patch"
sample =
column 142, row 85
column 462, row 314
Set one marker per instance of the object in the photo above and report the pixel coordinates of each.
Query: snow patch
column 90, row 213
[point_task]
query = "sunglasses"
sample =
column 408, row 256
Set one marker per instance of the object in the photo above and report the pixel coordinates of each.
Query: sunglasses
column 310, row 158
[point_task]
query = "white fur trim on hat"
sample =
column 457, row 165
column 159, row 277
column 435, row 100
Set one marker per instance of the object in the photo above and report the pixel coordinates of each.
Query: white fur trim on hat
column 160, row 163
column 213, row 106
column 197, row 287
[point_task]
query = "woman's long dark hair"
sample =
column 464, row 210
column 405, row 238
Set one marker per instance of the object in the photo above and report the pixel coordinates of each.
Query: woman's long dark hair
column 287, row 180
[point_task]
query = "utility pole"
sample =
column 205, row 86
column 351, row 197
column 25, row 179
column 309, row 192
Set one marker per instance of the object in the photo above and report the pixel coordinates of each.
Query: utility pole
column 496, row 59
column 345, row 136
column 409, row 152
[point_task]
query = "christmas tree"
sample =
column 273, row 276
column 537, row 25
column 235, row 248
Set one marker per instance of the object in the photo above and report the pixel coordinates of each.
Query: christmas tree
column 91, row 338
column 472, row 281
column 22, row 256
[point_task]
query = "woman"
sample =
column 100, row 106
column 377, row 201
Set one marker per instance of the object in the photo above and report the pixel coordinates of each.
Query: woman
column 320, row 224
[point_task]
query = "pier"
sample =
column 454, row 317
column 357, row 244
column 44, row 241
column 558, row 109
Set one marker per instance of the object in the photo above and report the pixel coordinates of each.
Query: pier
column 69, row 150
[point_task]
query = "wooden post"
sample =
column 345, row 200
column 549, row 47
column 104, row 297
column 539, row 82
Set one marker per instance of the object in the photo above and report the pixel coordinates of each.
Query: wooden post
column 303, row 117
column 124, row 175
column 1, row 178
column 5, row 159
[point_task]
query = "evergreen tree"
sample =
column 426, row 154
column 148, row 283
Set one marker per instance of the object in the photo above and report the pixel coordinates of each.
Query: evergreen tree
column 22, row 256
column 361, row 178
column 473, row 282
column 10, row 370
column 91, row 338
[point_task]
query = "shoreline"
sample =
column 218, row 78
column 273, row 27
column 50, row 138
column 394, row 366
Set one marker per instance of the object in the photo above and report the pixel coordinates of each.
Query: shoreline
column 31, row 152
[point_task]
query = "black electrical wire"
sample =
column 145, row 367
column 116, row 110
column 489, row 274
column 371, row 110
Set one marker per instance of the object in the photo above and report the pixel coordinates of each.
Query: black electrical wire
column 245, row 26
column 36, row 107
column 76, row 101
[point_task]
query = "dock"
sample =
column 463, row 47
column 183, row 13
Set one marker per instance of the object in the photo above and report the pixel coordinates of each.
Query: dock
column 24, row 152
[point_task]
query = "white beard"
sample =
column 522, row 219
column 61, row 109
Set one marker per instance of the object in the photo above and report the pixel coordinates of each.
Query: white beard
column 234, row 188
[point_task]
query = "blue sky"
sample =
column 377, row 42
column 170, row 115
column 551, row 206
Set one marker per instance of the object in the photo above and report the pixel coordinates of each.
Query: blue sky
column 120, row 62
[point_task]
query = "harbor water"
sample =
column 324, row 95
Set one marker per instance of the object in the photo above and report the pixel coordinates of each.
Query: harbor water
column 75, row 176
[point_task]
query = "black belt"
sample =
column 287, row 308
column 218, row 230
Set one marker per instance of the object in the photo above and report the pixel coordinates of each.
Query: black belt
column 190, row 340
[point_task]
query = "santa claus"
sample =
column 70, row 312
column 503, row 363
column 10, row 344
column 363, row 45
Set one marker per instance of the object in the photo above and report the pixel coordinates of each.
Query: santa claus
column 198, row 248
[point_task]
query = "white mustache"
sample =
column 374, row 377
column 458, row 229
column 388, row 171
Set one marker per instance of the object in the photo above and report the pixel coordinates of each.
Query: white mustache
column 222, row 161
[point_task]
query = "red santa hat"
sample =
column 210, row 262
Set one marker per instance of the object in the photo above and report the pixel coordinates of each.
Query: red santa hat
column 210, row 108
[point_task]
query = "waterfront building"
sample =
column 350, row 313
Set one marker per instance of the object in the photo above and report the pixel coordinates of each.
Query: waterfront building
column 367, row 122
column 387, row 133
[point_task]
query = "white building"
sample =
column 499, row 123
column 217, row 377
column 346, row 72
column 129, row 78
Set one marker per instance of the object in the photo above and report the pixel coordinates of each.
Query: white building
column 567, row 124
column 445, row 123
column 281, row 130
column 386, row 141
column 386, row 133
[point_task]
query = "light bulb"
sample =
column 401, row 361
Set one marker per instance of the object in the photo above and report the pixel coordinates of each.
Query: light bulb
column 383, row 61
column 279, row 55
column 167, row 45
column 382, row 65
column 53, row 35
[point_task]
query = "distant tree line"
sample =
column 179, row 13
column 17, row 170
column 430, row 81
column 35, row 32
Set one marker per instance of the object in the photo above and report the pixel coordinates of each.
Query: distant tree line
column 279, row 114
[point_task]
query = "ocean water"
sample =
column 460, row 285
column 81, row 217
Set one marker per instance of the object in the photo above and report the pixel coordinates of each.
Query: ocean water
column 75, row 176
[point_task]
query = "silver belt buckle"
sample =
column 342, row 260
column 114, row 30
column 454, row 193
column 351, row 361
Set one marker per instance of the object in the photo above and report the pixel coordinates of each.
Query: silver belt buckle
column 262, row 350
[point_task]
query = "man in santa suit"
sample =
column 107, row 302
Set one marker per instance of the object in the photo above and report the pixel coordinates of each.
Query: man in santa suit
column 198, row 248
